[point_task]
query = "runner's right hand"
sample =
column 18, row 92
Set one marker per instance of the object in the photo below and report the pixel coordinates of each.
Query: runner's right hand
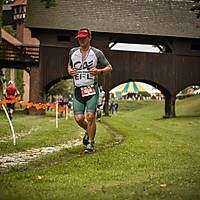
column 72, row 72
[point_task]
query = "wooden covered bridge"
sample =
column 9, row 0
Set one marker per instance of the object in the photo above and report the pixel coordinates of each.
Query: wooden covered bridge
column 169, row 25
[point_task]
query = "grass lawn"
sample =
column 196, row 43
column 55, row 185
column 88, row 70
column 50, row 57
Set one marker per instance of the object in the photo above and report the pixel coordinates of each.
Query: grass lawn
column 156, row 158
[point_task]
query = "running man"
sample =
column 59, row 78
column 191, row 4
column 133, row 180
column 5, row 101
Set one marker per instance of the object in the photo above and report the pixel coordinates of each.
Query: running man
column 10, row 92
column 84, row 66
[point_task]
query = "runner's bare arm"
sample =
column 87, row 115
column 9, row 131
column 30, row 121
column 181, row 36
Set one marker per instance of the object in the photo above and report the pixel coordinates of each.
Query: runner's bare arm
column 95, row 71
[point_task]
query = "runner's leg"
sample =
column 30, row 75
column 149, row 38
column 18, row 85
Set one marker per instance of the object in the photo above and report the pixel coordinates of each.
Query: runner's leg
column 91, row 111
column 80, row 119
column 91, row 127
column 79, row 109
column 9, row 109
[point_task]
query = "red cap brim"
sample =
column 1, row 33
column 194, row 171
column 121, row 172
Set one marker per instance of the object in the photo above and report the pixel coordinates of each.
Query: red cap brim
column 82, row 34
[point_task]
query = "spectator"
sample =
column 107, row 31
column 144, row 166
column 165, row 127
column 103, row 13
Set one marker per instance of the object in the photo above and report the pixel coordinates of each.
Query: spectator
column 112, row 107
column 61, row 104
column 116, row 107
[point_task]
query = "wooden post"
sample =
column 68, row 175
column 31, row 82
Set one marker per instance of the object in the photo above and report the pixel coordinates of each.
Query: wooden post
column 170, row 106
column 106, row 103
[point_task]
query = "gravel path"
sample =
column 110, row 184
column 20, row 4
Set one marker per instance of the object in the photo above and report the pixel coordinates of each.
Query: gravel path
column 21, row 158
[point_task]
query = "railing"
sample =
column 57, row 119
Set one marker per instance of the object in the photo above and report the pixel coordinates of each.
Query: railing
column 19, row 53
column 33, row 52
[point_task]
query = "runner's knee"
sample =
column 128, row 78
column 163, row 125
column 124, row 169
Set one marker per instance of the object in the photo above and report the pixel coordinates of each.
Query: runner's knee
column 90, row 117
column 79, row 118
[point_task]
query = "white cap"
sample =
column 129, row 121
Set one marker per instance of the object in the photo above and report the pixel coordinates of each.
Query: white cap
column 10, row 82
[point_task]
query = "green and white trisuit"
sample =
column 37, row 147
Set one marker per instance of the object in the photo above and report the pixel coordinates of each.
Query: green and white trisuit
column 94, row 58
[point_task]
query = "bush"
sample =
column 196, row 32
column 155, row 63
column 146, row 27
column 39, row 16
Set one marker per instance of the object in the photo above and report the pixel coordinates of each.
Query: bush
column 183, row 96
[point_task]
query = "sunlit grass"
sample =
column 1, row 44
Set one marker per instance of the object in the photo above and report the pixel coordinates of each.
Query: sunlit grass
column 157, row 159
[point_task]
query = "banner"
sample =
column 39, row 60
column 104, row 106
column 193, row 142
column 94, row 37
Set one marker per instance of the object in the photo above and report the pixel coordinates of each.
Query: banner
column 37, row 106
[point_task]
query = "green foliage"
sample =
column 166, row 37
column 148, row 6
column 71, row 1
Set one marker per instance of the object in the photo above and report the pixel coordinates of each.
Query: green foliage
column 145, row 94
column 9, row 29
column 49, row 3
column 19, row 80
column 63, row 88
column 183, row 96
column 1, row 91
column 196, row 8
column 8, row 74
column 1, row 84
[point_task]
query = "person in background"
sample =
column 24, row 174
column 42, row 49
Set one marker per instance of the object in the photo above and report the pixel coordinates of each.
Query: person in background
column 112, row 107
column 116, row 107
column 70, row 102
column 10, row 92
column 61, row 104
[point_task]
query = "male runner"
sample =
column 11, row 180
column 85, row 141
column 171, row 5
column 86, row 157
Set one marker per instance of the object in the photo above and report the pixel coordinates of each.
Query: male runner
column 10, row 92
column 84, row 66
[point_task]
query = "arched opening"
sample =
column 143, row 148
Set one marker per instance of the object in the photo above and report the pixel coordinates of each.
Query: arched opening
column 188, row 91
column 188, row 101
column 59, row 88
column 138, row 90
column 160, row 93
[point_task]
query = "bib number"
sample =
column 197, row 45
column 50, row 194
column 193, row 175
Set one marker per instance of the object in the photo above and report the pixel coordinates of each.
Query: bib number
column 87, row 91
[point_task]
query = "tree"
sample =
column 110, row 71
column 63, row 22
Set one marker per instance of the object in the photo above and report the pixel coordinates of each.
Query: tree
column 9, row 29
column 63, row 88
column 196, row 8
column 19, row 80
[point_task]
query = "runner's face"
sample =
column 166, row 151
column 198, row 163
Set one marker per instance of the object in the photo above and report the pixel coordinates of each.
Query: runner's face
column 84, row 42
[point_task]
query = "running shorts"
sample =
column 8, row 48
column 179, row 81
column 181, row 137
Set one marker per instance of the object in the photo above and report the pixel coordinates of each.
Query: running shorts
column 10, row 105
column 81, row 103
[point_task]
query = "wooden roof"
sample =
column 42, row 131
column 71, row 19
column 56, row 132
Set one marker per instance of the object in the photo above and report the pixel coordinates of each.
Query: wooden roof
column 143, row 17
column 19, row 2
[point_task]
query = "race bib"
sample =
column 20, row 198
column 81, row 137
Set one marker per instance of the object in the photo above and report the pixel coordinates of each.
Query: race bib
column 87, row 91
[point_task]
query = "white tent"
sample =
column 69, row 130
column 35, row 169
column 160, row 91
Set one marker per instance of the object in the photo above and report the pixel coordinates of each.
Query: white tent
column 150, row 89
column 197, row 91
column 122, row 89
column 131, row 87
column 154, row 91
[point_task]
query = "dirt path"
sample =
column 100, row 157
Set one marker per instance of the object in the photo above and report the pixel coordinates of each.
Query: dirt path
column 20, row 158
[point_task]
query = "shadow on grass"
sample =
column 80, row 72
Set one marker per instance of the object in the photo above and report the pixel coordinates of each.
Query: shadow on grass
column 188, row 116
column 179, row 117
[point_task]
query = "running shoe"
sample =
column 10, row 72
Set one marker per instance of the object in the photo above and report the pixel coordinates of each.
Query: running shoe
column 89, row 148
column 85, row 139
